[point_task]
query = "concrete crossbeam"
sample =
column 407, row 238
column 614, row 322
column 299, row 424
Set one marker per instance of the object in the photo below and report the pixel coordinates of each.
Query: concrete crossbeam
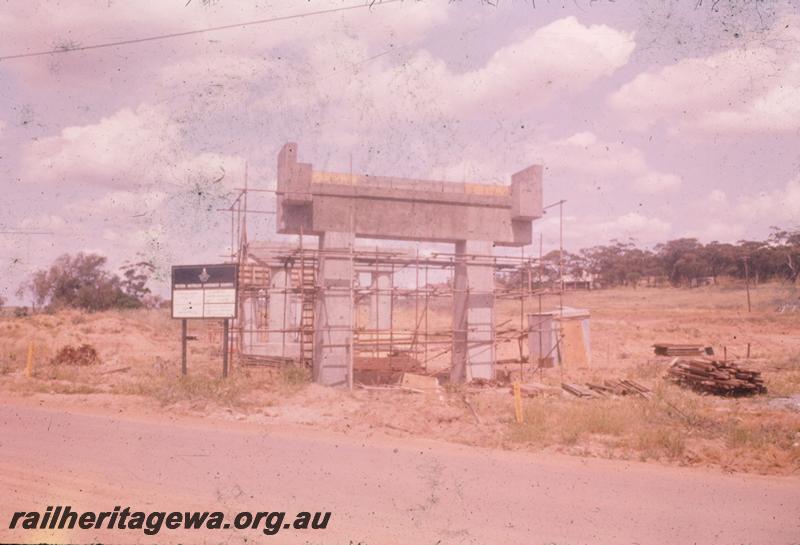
column 315, row 202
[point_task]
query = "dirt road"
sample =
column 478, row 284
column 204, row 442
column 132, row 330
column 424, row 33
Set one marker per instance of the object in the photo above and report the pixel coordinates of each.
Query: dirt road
column 379, row 490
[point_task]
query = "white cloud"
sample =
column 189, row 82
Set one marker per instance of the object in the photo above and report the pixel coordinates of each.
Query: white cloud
column 717, row 230
column 748, row 215
column 584, row 152
column 636, row 226
column 717, row 197
column 583, row 156
column 560, row 58
column 110, row 235
column 751, row 88
column 564, row 55
column 55, row 28
column 773, row 207
column 118, row 204
column 582, row 159
column 582, row 231
column 778, row 109
column 131, row 149
column 656, row 182
column 44, row 222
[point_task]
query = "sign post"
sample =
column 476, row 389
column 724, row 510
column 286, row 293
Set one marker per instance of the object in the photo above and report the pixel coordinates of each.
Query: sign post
column 204, row 292
column 225, row 348
column 183, row 346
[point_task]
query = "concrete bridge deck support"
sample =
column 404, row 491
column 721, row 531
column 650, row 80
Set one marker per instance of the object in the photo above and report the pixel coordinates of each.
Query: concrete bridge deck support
column 473, row 313
column 282, row 315
column 340, row 206
column 380, row 301
column 333, row 331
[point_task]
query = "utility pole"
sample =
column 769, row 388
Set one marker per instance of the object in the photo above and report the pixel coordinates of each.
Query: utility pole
column 561, row 243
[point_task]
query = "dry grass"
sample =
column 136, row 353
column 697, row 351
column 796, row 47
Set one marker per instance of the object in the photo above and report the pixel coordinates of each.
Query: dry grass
column 674, row 426
column 139, row 353
column 654, row 428
column 783, row 379
column 202, row 388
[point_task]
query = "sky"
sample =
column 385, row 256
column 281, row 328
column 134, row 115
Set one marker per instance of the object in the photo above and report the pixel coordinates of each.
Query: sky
column 654, row 119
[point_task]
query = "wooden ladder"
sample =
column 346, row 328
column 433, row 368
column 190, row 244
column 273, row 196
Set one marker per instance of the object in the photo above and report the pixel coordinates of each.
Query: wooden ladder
column 308, row 289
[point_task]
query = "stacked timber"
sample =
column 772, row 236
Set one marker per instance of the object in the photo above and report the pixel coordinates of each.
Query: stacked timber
column 682, row 350
column 716, row 377
column 609, row 388
column 621, row 387
column 534, row 389
column 577, row 390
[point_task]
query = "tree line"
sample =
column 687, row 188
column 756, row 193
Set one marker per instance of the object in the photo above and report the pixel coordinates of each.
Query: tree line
column 82, row 280
column 680, row 262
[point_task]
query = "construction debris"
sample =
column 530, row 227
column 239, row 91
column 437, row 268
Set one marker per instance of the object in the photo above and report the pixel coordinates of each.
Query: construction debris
column 716, row 377
column 535, row 389
column 621, row 387
column 478, row 383
column 670, row 349
column 117, row 370
column 384, row 370
column 82, row 355
column 419, row 382
column 577, row 390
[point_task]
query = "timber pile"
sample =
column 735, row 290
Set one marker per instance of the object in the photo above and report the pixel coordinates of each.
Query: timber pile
column 577, row 390
column 716, row 377
column 670, row 349
column 615, row 387
column 535, row 389
column 622, row 387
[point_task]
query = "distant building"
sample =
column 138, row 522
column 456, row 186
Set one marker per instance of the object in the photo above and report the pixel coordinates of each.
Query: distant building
column 583, row 281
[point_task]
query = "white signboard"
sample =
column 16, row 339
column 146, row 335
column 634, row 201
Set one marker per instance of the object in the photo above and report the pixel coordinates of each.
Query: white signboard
column 187, row 303
column 219, row 303
column 204, row 291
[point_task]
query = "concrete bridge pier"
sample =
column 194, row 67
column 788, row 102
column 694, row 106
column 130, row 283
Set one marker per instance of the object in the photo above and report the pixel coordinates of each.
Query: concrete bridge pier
column 333, row 330
column 380, row 301
column 282, row 315
column 473, row 312
column 339, row 206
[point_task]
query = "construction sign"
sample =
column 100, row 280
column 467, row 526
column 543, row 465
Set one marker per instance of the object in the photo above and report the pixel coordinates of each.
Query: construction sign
column 204, row 291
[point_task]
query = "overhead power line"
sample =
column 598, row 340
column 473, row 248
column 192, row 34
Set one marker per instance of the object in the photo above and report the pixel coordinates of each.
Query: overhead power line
column 24, row 232
column 70, row 49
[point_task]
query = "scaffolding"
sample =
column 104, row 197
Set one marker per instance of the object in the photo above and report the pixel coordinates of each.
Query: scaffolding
column 279, row 287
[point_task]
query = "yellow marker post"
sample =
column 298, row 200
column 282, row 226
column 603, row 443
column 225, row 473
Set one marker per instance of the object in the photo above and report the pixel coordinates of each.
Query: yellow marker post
column 29, row 366
column 518, row 403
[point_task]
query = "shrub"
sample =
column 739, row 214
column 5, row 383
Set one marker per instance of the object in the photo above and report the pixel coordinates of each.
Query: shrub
column 81, row 281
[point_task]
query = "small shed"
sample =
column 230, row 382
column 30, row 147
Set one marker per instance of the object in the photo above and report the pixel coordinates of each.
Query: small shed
column 560, row 337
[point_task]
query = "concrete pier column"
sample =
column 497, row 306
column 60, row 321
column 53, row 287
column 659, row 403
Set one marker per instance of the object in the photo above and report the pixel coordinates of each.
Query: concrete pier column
column 333, row 328
column 249, row 309
column 281, row 316
column 380, row 301
column 473, row 313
